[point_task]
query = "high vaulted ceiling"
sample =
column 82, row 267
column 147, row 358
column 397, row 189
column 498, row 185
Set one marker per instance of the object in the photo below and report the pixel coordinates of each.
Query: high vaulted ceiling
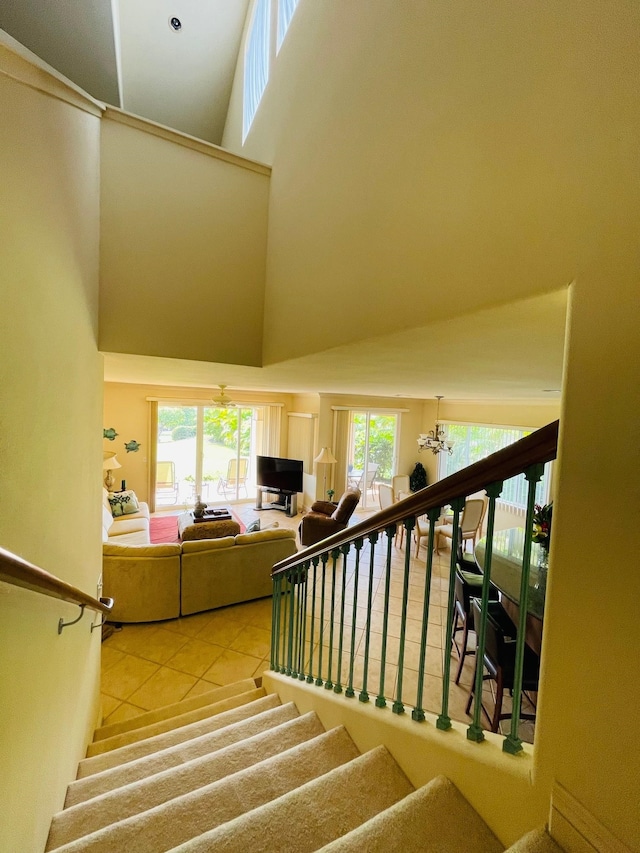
column 126, row 53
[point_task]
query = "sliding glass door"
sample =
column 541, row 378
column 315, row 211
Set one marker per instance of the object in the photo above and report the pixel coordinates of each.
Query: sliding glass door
column 372, row 453
column 205, row 450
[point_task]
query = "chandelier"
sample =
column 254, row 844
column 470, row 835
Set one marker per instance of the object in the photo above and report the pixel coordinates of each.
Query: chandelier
column 435, row 440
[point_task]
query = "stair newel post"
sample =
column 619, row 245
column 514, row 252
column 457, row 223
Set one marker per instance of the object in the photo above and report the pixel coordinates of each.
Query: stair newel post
column 289, row 670
column 314, row 563
column 364, row 695
column 303, row 617
column 323, row 557
column 474, row 732
column 512, row 743
column 433, row 515
column 350, row 692
column 381, row 702
column 275, row 621
column 334, row 568
column 398, row 706
column 345, row 551
column 444, row 721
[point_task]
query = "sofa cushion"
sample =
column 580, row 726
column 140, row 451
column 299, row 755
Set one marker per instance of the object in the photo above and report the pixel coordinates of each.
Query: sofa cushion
column 161, row 549
column 107, row 522
column 265, row 536
column 127, row 524
column 123, row 503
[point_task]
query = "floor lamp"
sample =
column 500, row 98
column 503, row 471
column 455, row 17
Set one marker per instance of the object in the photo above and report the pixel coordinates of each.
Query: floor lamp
column 326, row 457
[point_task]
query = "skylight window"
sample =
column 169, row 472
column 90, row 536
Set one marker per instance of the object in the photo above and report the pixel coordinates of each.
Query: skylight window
column 286, row 8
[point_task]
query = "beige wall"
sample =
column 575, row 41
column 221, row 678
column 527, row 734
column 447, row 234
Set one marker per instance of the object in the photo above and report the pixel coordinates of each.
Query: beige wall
column 472, row 155
column 183, row 240
column 50, row 460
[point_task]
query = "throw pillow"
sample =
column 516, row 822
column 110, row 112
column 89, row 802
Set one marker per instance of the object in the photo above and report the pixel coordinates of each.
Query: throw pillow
column 123, row 503
column 253, row 527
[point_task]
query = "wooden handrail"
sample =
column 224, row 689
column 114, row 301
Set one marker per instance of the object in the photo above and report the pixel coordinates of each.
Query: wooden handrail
column 538, row 447
column 19, row 572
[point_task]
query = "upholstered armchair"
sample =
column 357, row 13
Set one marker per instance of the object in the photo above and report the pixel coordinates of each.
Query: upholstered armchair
column 326, row 518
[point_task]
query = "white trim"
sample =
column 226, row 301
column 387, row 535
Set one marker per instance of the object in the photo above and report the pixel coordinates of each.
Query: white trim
column 375, row 409
column 301, row 415
column 202, row 401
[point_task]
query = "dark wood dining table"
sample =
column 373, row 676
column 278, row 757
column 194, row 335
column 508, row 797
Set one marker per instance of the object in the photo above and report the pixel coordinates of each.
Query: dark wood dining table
column 506, row 575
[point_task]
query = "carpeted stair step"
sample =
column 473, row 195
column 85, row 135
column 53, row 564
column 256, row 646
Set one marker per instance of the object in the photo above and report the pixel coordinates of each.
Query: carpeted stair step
column 175, row 710
column 314, row 814
column 233, row 727
column 161, row 726
column 188, row 816
column 538, row 841
column 129, row 752
column 434, row 819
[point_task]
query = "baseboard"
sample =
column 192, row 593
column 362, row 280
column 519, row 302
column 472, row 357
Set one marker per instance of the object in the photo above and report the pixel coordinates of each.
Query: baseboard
column 576, row 830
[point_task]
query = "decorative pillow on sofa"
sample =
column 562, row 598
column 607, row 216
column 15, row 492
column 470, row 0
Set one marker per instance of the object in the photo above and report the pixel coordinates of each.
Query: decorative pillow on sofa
column 123, row 503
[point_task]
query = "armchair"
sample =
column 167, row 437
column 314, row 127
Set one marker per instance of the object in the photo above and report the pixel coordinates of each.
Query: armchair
column 326, row 518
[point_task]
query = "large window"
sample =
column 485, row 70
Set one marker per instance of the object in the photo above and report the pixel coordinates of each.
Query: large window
column 372, row 453
column 474, row 442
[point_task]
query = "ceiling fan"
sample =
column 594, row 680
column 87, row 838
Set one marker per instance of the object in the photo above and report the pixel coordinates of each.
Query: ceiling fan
column 222, row 399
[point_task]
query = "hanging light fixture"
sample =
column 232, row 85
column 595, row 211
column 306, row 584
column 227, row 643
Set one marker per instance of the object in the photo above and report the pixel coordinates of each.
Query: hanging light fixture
column 222, row 399
column 435, row 440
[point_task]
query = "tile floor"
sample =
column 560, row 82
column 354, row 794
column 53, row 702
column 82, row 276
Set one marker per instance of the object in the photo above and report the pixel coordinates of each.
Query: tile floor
column 146, row 666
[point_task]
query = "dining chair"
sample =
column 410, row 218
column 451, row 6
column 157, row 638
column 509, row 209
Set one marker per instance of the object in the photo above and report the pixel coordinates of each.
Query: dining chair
column 400, row 486
column 499, row 661
column 470, row 522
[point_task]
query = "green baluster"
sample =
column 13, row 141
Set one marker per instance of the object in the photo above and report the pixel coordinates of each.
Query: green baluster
column 418, row 712
column 350, row 692
column 295, row 579
column 334, row 557
column 291, row 617
column 345, row 550
column 314, row 563
column 444, row 722
column 512, row 743
column 474, row 732
column 323, row 557
column 275, row 622
column 305, row 571
column 398, row 707
column 285, row 622
column 380, row 700
column 364, row 696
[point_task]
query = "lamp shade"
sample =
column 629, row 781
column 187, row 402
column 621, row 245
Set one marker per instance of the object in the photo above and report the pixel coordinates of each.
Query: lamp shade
column 326, row 456
column 109, row 461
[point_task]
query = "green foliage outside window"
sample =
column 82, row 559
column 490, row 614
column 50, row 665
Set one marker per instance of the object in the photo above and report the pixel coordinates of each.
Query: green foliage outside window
column 382, row 431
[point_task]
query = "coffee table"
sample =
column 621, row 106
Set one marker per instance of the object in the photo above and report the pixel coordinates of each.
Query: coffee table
column 213, row 525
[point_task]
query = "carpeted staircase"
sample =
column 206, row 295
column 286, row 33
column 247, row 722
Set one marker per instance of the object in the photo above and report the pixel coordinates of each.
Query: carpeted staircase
column 236, row 770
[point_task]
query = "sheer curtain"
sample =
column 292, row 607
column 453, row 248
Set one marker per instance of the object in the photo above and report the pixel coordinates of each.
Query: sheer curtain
column 341, row 418
column 153, row 453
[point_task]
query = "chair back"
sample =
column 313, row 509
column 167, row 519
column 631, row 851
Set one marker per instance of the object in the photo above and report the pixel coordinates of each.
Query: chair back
column 473, row 515
column 385, row 495
column 165, row 475
column 400, row 483
column 235, row 475
column 346, row 506
column 372, row 471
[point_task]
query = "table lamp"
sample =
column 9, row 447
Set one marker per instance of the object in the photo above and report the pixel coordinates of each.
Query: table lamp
column 109, row 463
column 326, row 457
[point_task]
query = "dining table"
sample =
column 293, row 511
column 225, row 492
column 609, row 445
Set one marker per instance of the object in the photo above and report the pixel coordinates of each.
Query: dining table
column 506, row 576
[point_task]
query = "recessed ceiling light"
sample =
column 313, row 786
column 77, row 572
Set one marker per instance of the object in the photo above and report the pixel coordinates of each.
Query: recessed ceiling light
column 175, row 24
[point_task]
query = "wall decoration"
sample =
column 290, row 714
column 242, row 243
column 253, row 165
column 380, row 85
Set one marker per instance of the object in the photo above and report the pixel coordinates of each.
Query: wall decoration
column 109, row 433
column 132, row 446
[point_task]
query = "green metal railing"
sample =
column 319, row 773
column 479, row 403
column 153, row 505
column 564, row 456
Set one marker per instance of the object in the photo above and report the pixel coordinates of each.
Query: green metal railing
column 324, row 628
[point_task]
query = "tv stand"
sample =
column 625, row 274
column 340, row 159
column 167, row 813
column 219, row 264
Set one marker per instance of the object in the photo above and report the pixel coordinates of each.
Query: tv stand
column 287, row 502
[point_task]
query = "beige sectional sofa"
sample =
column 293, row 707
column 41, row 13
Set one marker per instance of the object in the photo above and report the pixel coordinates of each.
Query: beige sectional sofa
column 150, row 582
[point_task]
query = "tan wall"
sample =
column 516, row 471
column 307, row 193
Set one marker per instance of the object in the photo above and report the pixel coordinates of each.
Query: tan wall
column 50, row 459
column 472, row 155
column 183, row 240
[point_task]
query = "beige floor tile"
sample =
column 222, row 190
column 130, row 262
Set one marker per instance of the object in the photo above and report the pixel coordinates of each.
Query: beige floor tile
column 189, row 625
column 163, row 688
column 126, row 676
column 108, row 705
column 252, row 641
column 222, row 630
column 110, row 656
column 161, row 645
column 131, row 638
column 195, row 657
column 124, row 711
column 232, row 666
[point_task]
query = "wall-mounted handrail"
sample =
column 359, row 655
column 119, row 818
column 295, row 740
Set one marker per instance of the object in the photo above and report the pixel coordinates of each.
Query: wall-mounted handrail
column 540, row 446
column 19, row 572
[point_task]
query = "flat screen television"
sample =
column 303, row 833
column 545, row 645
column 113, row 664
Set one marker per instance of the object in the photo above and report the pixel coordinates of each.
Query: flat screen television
column 285, row 475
